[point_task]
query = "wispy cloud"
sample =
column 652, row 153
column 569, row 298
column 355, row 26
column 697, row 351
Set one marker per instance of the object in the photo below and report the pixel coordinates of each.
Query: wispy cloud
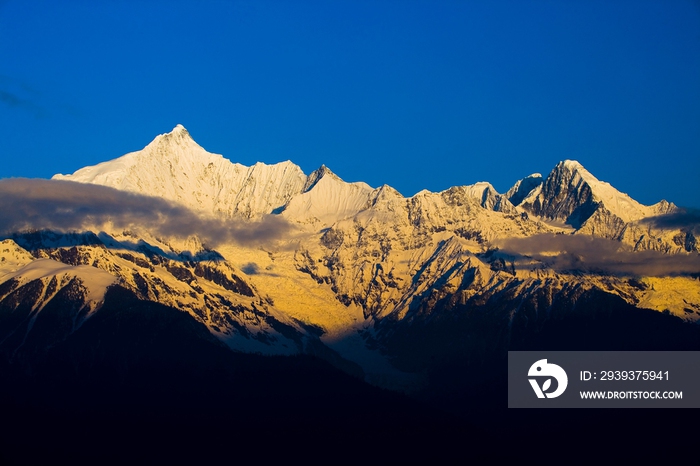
column 13, row 100
column 599, row 255
column 684, row 219
column 16, row 94
column 68, row 206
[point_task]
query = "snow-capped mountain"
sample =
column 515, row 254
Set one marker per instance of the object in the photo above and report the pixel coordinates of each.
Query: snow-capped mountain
column 377, row 283
column 572, row 194
column 176, row 168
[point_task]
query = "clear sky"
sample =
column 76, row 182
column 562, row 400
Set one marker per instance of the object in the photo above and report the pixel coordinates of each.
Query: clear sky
column 415, row 94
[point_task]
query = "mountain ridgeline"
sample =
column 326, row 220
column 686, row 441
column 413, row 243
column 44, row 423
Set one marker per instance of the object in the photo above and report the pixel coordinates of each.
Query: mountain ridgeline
column 265, row 272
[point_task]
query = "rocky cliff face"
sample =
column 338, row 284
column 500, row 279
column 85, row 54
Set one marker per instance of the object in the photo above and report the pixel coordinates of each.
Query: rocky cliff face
column 570, row 193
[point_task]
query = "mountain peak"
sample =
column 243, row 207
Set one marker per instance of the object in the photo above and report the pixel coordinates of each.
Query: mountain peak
column 324, row 170
column 575, row 168
column 571, row 164
column 571, row 193
column 522, row 188
column 178, row 135
column 179, row 131
column 316, row 176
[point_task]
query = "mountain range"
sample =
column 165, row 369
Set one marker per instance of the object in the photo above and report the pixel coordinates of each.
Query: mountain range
column 172, row 254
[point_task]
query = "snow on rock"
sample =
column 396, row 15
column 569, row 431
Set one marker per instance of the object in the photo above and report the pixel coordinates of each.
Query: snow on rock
column 328, row 199
column 522, row 188
column 571, row 193
column 488, row 197
column 12, row 257
column 94, row 280
column 173, row 166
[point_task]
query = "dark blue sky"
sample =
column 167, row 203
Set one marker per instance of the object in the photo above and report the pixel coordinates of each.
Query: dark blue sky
column 414, row 94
